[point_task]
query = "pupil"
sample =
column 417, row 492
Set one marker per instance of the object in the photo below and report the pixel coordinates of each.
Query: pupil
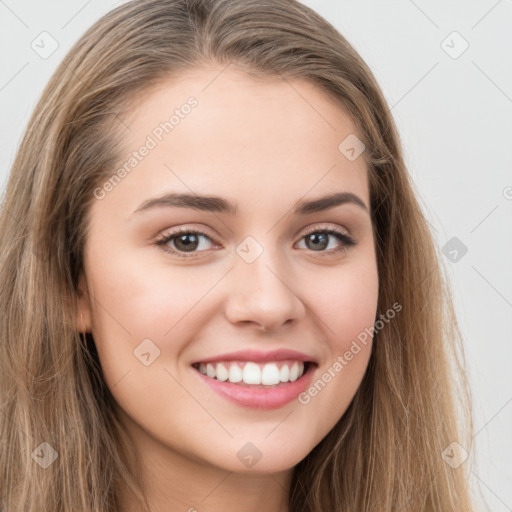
column 315, row 237
column 182, row 240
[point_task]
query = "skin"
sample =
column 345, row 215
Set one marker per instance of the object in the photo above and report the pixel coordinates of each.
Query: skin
column 264, row 145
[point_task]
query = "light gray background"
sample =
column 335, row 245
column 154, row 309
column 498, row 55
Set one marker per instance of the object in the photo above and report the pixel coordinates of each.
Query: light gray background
column 455, row 120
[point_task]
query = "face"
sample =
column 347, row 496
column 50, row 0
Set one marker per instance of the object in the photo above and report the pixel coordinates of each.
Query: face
column 258, row 281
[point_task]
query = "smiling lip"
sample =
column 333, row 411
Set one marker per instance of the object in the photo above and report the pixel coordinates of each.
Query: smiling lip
column 259, row 357
column 261, row 397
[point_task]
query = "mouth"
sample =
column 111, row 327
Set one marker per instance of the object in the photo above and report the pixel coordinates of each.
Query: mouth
column 252, row 374
column 252, row 385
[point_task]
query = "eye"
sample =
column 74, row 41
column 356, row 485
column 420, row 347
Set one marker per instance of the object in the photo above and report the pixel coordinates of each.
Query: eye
column 319, row 240
column 185, row 243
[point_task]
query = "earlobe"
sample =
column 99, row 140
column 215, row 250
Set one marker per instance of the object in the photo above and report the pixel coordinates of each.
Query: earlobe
column 82, row 317
column 81, row 324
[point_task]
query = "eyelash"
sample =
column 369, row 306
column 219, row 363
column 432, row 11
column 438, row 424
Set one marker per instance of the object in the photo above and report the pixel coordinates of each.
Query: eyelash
column 346, row 240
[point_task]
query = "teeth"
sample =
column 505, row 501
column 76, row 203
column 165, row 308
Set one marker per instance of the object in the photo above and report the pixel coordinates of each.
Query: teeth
column 235, row 373
column 222, row 372
column 294, row 372
column 210, row 370
column 268, row 374
column 251, row 374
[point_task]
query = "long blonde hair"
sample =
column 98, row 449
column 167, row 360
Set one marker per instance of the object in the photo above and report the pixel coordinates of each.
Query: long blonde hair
column 385, row 454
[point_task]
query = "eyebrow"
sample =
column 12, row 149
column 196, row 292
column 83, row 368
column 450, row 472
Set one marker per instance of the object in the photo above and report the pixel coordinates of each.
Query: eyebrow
column 216, row 204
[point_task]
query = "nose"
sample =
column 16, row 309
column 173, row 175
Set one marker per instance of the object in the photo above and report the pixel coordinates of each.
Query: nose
column 261, row 294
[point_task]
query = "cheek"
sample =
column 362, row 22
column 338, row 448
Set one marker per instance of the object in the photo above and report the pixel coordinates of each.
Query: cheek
column 143, row 318
column 141, row 299
column 135, row 302
column 345, row 302
column 346, row 313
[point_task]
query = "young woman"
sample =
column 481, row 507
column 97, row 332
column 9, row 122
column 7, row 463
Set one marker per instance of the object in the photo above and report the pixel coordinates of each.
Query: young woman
column 219, row 291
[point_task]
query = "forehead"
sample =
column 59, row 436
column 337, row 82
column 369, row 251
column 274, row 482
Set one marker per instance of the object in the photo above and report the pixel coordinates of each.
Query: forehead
column 249, row 109
column 246, row 138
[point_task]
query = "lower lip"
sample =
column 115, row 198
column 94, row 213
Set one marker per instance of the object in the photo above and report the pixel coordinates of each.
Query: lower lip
column 260, row 398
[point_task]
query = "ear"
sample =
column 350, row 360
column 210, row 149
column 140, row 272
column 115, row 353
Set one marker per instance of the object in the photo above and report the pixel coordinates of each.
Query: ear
column 83, row 313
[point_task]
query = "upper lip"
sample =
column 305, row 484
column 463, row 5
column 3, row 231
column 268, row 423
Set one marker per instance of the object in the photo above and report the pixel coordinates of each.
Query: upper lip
column 260, row 357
